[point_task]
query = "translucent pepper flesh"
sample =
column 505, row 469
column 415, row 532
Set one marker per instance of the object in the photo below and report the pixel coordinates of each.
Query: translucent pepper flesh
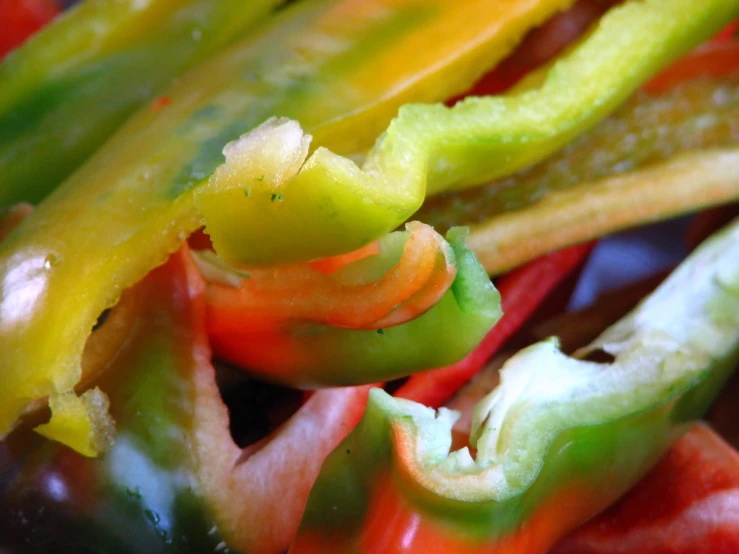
column 132, row 203
column 558, row 431
column 74, row 84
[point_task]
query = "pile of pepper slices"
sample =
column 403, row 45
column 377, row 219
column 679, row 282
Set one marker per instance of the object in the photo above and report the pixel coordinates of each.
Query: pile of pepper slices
column 211, row 206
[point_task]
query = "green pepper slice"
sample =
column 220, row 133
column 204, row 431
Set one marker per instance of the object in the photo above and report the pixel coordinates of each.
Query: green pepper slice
column 558, row 440
column 125, row 210
column 447, row 306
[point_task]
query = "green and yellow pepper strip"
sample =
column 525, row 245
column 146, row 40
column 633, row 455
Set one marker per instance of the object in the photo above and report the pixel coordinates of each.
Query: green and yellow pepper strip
column 420, row 303
column 174, row 481
column 20, row 19
column 649, row 129
column 341, row 67
column 65, row 92
column 330, row 205
column 559, row 439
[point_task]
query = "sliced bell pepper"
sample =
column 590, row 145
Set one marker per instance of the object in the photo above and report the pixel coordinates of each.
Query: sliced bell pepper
column 647, row 130
column 684, row 183
column 341, row 67
column 686, row 505
column 174, row 481
column 713, row 59
column 417, row 267
column 67, row 90
column 20, row 19
column 522, row 291
column 539, row 47
column 559, row 440
column 330, row 205
column 420, row 303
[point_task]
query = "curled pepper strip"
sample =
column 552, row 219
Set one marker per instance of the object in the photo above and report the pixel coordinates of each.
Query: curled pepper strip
column 328, row 205
column 276, row 298
column 422, row 302
column 551, row 435
column 522, row 291
column 692, row 496
column 341, row 67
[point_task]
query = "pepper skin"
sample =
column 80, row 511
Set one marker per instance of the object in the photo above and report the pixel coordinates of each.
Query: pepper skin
column 330, row 205
column 420, row 303
column 316, row 61
column 558, row 440
column 68, row 89
column 685, row 505
column 20, row 19
column 174, row 481
column 649, row 129
column 523, row 291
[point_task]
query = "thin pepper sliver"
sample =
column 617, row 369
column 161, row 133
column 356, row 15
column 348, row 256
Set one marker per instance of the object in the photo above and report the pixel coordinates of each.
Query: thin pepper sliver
column 132, row 204
column 649, row 129
column 558, row 431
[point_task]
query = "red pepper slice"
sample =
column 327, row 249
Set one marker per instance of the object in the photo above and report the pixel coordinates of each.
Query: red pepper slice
column 19, row 19
column 688, row 504
column 717, row 58
column 522, row 291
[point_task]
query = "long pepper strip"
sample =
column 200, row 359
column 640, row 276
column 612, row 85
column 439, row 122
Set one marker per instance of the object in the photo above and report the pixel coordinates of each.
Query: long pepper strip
column 342, row 67
column 394, row 330
column 522, row 291
column 685, row 183
column 648, row 129
column 557, row 432
column 329, row 205
column 67, row 90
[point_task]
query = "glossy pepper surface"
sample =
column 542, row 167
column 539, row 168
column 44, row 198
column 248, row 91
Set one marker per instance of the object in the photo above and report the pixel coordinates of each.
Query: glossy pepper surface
column 428, row 149
column 318, row 62
column 174, row 481
column 523, row 291
column 556, row 432
column 420, row 302
column 692, row 496
column 68, row 89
